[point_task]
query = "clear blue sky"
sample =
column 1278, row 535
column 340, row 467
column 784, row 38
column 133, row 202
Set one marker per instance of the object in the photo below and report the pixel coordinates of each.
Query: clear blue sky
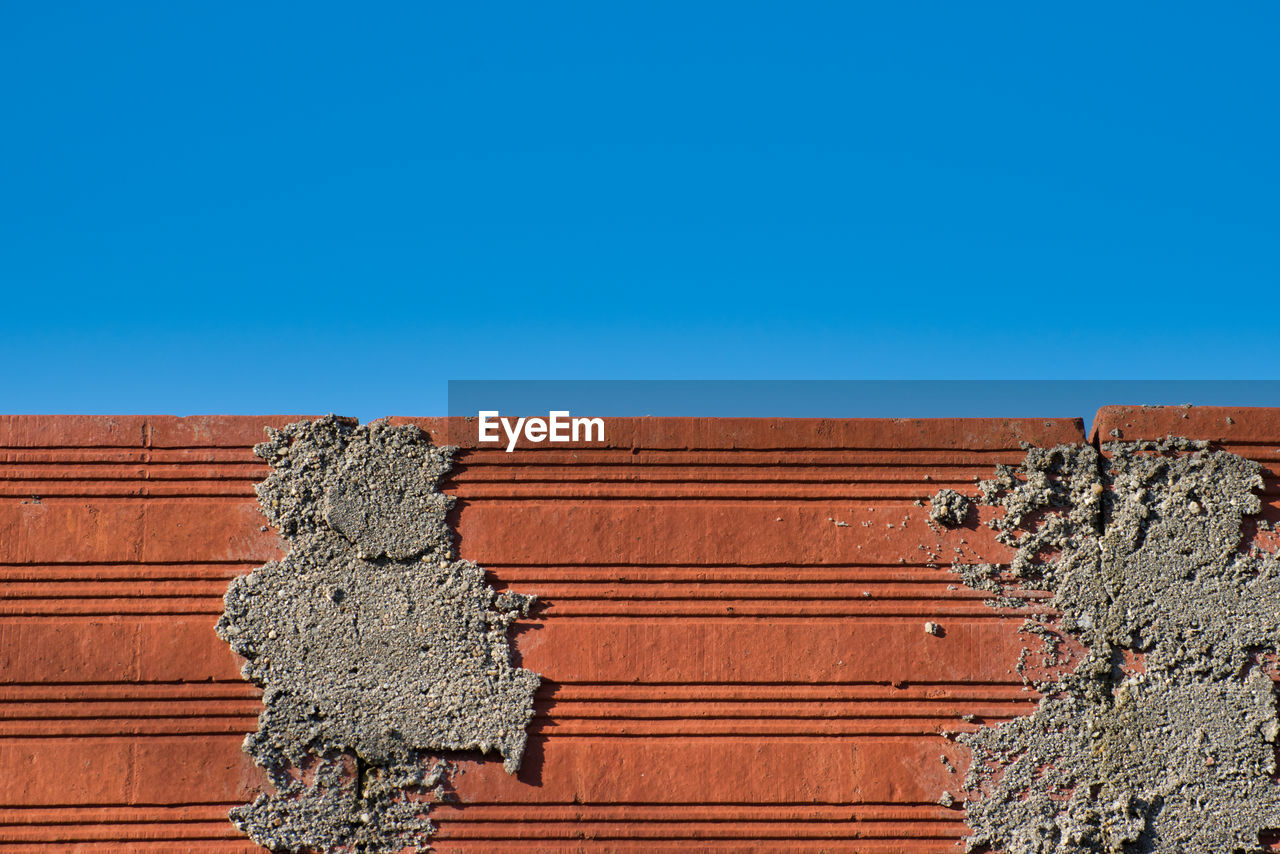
column 267, row 207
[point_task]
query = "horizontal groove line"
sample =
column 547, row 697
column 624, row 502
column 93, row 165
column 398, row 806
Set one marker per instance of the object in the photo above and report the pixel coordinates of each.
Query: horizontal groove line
column 560, row 703
column 865, row 590
column 497, row 567
column 622, row 617
column 558, row 715
column 791, row 484
column 130, row 447
column 130, row 563
column 92, row 457
column 118, row 822
column 704, row 500
column 858, row 584
column 223, row 498
column 230, row 835
column 912, row 683
column 783, row 737
column 571, row 685
column 603, row 617
column 112, row 734
column 959, row 597
column 462, row 818
column 566, row 475
column 547, row 706
column 902, row 500
column 176, row 683
column 209, row 835
column 696, row 473
column 577, row 839
column 146, row 477
column 497, row 450
column 531, row 806
column 882, row 811
column 218, row 717
column 623, row 460
column 500, row 453
column 851, row 684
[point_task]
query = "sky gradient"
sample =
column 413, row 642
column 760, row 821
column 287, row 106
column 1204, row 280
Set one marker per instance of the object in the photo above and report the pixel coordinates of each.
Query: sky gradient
column 251, row 208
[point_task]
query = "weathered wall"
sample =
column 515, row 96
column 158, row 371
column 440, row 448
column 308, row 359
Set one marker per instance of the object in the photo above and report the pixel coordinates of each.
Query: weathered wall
column 732, row 644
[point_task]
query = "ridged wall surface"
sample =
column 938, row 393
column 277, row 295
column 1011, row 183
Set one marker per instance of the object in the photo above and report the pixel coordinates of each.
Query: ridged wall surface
column 732, row 637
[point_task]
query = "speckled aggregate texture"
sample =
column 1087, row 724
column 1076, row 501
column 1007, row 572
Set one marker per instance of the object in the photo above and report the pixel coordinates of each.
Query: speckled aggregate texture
column 1160, row 737
column 949, row 508
column 375, row 645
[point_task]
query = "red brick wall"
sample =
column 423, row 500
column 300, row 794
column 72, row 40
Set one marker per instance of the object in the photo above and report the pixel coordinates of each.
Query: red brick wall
column 733, row 640
column 121, row 713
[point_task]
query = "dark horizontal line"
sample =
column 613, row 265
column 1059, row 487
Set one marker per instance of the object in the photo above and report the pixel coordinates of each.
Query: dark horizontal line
column 606, row 617
column 578, row 839
column 782, row 478
column 193, row 733
column 506, row 499
column 127, row 496
column 531, row 806
column 230, row 837
column 554, row 716
column 141, row 716
column 499, row 566
column 976, row 617
column 702, row 500
column 542, row 448
column 139, row 807
column 127, row 563
column 113, row 822
column 15, row 461
column 461, row 818
column 913, row 683
column 101, row 683
column 99, row 612
column 703, row 736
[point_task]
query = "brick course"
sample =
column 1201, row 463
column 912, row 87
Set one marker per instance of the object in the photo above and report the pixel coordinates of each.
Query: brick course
column 732, row 638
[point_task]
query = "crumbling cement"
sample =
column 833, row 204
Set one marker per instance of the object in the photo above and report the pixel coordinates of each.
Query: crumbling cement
column 949, row 508
column 372, row 641
column 1163, row 737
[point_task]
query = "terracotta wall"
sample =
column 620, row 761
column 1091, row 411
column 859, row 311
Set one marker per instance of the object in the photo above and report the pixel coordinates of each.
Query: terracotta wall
column 732, row 640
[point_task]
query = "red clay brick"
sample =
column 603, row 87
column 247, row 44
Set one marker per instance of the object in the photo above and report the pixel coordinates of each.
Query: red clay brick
column 697, row 532
column 780, row 650
column 1222, row 424
column 705, row 639
column 114, row 649
column 214, row 431
column 72, row 431
column 107, row 771
column 131, row 531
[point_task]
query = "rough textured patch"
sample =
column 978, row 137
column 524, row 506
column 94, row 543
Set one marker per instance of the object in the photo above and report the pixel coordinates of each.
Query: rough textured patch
column 375, row 485
column 949, row 507
column 372, row 641
column 1162, row 737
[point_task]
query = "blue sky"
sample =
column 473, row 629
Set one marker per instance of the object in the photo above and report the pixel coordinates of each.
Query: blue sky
column 293, row 207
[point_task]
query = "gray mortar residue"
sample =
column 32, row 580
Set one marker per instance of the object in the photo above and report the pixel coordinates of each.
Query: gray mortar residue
column 373, row 642
column 949, row 508
column 1142, row 551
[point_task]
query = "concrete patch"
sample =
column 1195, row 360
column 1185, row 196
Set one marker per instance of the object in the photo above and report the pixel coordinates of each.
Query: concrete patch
column 949, row 508
column 374, row 644
column 1161, row 738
